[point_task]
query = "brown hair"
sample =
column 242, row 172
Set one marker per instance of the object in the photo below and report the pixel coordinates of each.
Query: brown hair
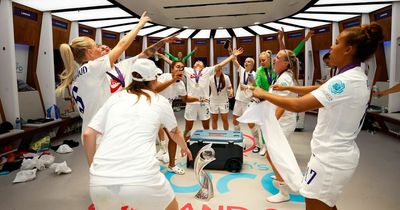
column 137, row 87
column 72, row 55
column 365, row 38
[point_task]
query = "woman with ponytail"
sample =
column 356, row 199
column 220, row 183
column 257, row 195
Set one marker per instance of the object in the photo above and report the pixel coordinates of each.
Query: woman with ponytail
column 286, row 66
column 342, row 102
column 265, row 77
column 221, row 90
column 124, row 169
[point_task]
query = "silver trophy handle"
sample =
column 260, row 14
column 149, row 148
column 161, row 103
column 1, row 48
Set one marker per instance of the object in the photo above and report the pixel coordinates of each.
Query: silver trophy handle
column 205, row 156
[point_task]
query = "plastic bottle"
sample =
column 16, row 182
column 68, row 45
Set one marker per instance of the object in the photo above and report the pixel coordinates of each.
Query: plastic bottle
column 18, row 123
column 375, row 90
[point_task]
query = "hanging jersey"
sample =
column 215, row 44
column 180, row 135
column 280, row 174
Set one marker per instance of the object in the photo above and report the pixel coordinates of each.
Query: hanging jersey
column 345, row 99
column 198, row 82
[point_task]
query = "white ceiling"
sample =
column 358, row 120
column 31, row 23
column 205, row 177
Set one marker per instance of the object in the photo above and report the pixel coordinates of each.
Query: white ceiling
column 211, row 14
column 195, row 18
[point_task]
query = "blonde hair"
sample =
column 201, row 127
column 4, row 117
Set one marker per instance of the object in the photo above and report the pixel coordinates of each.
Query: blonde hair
column 72, row 55
column 294, row 64
column 268, row 54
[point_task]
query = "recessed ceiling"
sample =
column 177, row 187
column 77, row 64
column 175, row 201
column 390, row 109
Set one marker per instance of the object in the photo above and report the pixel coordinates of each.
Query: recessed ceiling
column 207, row 18
column 212, row 14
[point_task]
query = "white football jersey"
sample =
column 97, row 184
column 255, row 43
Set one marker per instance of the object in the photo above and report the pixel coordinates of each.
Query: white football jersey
column 345, row 99
column 243, row 78
column 173, row 91
column 222, row 96
column 200, row 88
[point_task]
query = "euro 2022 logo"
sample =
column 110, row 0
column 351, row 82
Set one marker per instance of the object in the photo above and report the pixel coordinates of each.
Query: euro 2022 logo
column 337, row 87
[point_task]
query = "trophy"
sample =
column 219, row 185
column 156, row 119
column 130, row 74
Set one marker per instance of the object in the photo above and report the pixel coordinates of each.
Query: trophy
column 204, row 157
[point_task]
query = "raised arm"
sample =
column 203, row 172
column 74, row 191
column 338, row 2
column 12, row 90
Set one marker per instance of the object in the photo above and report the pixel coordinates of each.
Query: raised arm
column 127, row 40
column 150, row 51
column 301, row 90
column 301, row 44
column 184, row 59
column 162, row 56
column 281, row 39
column 171, row 57
column 235, row 53
column 236, row 63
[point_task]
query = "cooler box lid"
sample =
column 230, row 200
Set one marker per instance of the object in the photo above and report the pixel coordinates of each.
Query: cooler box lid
column 217, row 136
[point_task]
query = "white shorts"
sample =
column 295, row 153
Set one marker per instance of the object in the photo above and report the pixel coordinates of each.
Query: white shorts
column 239, row 108
column 323, row 182
column 156, row 195
column 197, row 111
column 216, row 108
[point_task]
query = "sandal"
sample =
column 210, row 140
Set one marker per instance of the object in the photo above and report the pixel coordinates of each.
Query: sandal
column 177, row 170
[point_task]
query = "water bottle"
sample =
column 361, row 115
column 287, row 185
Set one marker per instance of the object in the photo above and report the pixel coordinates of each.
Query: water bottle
column 18, row 123
column 201, row 101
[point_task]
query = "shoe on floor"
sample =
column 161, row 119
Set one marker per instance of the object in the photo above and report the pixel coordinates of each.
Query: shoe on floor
column 278, row 198
column 273, row 177
column 177, row 170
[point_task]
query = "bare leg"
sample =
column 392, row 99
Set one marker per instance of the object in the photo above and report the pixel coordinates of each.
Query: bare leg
column 314, row 204
column 225, row 123
column 173, row 205
column 206, row 124
column 236, row 125
column 188, row 128
column 171, row 152
column 278, row 176
column 214, row 121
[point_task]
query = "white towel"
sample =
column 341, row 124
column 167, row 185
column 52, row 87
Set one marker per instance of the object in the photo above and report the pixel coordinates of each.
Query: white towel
column 263, row 114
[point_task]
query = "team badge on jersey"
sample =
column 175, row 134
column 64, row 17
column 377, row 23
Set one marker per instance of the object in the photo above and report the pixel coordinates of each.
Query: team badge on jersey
column 337, row 87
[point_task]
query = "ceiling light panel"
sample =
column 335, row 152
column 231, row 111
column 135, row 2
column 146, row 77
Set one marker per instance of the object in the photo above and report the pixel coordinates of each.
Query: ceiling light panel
column 261, row 30
column 105, row 23
column 325, row 17
column 46, row 5
column 165, row 33
column 278, row 26
column 146, row 31
column 304, row 23
column 120, row 29
column 222, row 33
column 349, row 8
column 186, row 33
column 322, row 2
column 203, row 34
column 240, row 32
column 92, row 14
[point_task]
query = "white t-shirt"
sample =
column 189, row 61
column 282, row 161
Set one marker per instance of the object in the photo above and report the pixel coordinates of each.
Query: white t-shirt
column 222, row 97
column 288, row 119
column 201, row 90
column 129, row 127
column 345, row 99
column 91, row 88
column 173, row 91
column 240, row 94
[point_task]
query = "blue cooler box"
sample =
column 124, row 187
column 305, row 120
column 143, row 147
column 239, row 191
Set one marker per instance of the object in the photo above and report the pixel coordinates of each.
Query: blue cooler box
column 228, row 146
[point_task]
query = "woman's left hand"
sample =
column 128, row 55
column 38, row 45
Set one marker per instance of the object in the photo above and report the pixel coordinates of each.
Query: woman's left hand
column 186, row 151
